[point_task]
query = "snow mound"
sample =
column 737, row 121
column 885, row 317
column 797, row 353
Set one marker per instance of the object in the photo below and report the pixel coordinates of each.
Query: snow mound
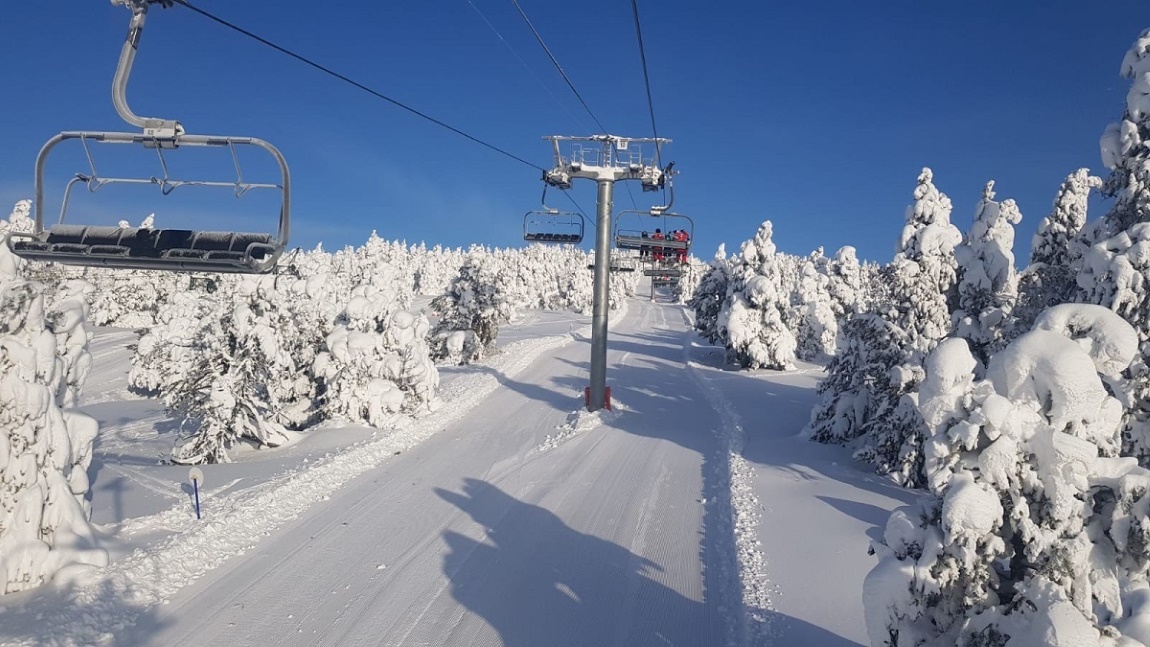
column 579, row 421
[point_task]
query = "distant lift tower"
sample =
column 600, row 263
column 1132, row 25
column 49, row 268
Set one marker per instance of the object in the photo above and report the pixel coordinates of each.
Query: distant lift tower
column 605, row 159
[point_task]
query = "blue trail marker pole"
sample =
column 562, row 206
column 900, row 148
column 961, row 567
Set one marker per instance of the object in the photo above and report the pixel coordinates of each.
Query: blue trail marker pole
column 196, row 475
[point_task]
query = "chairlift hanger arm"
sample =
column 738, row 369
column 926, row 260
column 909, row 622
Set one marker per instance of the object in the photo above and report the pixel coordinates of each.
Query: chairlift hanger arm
column 164, row 131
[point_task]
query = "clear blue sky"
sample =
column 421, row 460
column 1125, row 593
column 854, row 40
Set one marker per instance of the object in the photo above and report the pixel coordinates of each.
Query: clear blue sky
column 815, row 115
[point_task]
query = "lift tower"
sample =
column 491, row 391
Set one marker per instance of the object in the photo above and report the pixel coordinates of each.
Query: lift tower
column 605, row 159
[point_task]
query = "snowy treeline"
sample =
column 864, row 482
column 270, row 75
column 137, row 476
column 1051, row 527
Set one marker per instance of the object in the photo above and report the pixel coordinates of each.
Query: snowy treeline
column 45, row 446
column 1019, row 400
column 490, row 287
column 328, row 337
column 769, row 308
column 1030, row 426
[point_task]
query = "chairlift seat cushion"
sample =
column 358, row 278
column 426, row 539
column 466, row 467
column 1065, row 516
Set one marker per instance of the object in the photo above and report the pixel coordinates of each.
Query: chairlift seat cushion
column 551, row 237
column 147, row 248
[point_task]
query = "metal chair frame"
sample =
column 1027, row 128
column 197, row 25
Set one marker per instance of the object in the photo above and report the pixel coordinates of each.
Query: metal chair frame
column 143, row 248
column 566, row 227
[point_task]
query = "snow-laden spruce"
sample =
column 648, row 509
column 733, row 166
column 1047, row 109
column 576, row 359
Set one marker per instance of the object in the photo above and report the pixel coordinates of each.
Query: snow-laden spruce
column 1116, row 265
column 860, row 390
column 491, row 285
column 1035, row 532
column 866, row 399
column 988, row 287
column 239, row 373
column 470, row 312
column 1055, row 252
column 45, row 448
column 814, row 309
column 709, row 295
column 375, row 365
column 693, row 272
column 925, row 267
column 1124, row 145
column 752, row 320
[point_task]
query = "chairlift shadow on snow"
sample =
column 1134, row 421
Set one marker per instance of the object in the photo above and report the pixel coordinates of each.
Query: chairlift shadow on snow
column 796, row 631
column 537, row 581
column 872, row 515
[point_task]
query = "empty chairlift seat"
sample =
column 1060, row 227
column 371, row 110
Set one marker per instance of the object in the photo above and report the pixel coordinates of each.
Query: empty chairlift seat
column 141, row 248
column 553, row 226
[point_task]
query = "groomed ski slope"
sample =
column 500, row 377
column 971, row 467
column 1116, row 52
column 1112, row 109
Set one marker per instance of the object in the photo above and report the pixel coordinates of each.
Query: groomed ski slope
column 690, row 515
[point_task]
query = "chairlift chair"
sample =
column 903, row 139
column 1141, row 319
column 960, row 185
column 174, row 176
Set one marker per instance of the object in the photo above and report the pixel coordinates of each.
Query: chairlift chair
column 144, row 248
column 549, row 225
column 629, row 236
column 553, row 226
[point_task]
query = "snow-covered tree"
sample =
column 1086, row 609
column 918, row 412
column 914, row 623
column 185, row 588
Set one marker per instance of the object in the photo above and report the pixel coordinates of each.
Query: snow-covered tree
column 1055, row 252
column 925, row 268
column 848, row 283
column 752, row 320
column 693, row 272
column 1034, row 532
column 375, row 365
column 1116, row 265
column 878, row 406
column 470, row 312
column 815, row 311
column 45, row 448
column 860, row 389
column 244, row 376
column 988, row 288
column 707, row 299
column 1126, row 145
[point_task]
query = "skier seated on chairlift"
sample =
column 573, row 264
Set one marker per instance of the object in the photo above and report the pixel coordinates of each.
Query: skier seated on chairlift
column 658, row 251
column 681, row 236
column 645, row 250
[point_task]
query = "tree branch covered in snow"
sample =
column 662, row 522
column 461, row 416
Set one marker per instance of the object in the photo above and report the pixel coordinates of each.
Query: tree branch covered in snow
column 45, row 448
column 1034, row 532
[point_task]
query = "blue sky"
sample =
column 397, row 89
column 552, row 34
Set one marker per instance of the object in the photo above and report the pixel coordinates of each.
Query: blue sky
column 817, row 116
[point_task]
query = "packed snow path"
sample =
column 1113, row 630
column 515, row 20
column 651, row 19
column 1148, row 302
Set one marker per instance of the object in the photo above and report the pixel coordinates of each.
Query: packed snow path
column 506, row 529
column 517, row 521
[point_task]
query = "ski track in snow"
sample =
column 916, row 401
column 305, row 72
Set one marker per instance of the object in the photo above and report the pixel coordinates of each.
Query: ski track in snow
column 742, row 507
column 93, row 605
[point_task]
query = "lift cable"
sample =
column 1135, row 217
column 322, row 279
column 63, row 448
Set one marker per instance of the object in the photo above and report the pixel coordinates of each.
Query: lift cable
column 559, row 67
column 571, row 85
column 374, row 93
column 525, row 65
column 361, row 86
column 646, row 82
column 646, row 77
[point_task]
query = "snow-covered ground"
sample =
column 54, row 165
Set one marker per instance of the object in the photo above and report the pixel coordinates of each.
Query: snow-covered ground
column 691, row 514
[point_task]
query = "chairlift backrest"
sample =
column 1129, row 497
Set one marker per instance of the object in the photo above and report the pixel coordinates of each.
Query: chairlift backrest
column 90, row 244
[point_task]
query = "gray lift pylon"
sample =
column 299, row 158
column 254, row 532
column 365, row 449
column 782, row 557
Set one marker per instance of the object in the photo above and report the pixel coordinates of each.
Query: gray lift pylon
column 606, row 159
column 144, row 247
